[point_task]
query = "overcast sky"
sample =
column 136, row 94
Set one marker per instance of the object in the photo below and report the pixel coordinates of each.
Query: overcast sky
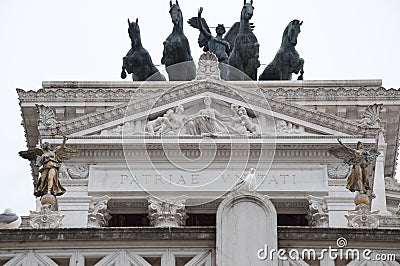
column 46, row 40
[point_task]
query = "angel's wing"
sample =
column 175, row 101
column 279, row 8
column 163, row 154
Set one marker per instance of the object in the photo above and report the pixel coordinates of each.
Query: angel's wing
column 373, row 153
column 31, row 154
column 194, row 22
column 65, row 153
column 343, row 153
column 230, row 36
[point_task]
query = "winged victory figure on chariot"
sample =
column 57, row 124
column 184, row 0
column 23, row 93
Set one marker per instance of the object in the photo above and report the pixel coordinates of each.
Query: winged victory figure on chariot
column 220, row 45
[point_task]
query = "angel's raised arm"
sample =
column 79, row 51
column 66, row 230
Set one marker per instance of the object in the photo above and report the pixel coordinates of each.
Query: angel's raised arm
column 345, row 146
column 201, row 26
column 62, row 145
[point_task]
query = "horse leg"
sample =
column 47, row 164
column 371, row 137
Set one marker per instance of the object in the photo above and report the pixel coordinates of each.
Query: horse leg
column 240, row 68
column 134, row 77
column 124, row 64
column 301, row 69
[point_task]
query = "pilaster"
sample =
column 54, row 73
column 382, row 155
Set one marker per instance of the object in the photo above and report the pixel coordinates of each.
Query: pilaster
column 339, row 202
column 379, row 202
column 74, row 204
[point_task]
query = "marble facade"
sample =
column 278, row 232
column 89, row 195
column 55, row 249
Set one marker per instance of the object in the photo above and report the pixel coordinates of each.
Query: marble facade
column 160, row 149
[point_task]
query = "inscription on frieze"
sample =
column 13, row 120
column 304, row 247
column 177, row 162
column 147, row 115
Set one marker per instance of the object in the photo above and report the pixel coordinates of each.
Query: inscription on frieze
column 288, row 178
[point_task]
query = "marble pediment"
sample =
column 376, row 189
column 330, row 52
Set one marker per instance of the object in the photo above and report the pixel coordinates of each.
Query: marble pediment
column 182, row 110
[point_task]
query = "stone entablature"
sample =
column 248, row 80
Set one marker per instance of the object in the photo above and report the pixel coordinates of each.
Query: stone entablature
column 137, row 206
column 96, row 102
column 190, row 89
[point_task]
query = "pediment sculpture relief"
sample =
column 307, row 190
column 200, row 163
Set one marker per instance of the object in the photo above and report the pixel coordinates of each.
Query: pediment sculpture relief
column 206, row 122
column 286, row 128
column 129, row 128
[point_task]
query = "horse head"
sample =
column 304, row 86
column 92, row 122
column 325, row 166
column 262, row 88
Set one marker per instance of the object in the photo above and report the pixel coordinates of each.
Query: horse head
column 176, row 13
column 134, row 32
column 247, row 10
column 291, row 32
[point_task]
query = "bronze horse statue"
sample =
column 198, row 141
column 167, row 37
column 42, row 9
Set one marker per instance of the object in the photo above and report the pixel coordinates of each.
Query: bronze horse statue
column 176, row 55
column 138, row 61
column 287, row 59
column 244, row 56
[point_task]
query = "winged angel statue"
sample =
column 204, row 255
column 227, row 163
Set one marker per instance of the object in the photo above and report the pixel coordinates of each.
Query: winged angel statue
column 49, row 160
column 361, row 160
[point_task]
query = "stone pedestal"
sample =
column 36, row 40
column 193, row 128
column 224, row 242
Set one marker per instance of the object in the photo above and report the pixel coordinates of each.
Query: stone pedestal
column 46, row 218
column 339, row 202
column 75, row 209
column 74, row 204
column 363, row 217
column 246, row 230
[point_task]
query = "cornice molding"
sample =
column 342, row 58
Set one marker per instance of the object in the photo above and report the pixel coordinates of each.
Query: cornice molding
column 92, row 91
column 334, row 94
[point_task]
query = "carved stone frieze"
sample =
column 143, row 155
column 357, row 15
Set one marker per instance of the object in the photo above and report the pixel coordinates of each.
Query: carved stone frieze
column 122, row 91
column 185, row 90
column 391, row 184
column 89, row 94
column 285, row 205
column 63, row 173
column 317, row 214
column 101, row 152
column 98, row 212
column 74, row 171
column 338, row 170
column 390, row 221
column 332, row 93
column 208, row 67
column 166, row 213
column 125, row 206
column 78, row 171
column 46, row 218
column 363, row 217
